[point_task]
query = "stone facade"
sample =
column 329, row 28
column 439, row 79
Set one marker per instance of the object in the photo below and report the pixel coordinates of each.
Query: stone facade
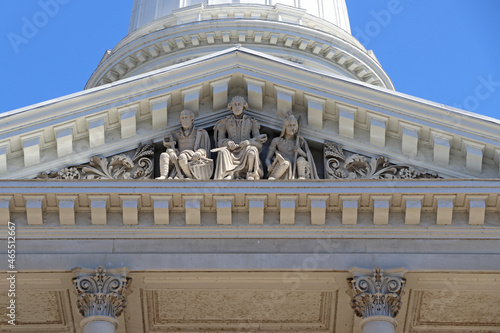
column 396, row 186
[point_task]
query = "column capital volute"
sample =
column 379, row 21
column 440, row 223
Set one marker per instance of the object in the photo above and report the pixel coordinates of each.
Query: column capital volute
column 376, row 293
column 101, row 293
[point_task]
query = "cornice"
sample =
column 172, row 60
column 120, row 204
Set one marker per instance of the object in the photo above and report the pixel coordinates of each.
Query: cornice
column 422, row 208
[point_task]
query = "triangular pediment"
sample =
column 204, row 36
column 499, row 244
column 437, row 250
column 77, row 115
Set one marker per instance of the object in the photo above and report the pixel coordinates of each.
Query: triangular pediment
column 369, row 121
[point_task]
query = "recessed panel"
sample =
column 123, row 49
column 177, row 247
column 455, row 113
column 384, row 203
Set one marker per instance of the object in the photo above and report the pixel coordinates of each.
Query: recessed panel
column 215, row 310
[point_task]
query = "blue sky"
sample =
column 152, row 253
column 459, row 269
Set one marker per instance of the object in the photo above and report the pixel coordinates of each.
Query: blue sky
column 447, row 51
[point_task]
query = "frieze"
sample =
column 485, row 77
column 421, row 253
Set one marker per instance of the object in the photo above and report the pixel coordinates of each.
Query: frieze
column 340, row 164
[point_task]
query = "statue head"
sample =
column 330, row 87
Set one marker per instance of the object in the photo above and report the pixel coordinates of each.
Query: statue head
column 187, row 118
column 290, row 125
column 237, row 105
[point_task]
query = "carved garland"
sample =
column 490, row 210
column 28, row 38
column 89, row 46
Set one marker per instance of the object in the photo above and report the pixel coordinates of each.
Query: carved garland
column 355, row 166
column 122, row 166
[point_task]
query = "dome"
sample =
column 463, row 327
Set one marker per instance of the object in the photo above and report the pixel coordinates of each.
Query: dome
column 333, row 11
column 310, row 33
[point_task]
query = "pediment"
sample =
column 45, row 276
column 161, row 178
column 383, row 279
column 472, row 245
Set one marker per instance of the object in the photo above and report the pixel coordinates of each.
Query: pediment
column 369, row 121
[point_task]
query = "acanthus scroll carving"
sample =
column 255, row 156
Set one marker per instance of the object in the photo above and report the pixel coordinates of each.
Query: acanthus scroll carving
column 376, row 294
column 101, row 294
column 121, row 166
column 339, row 165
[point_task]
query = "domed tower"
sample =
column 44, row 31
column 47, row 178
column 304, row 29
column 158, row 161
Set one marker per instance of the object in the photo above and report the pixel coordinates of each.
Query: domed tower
column 314, row 34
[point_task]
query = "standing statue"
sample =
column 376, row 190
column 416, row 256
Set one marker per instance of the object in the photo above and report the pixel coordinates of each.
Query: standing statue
column 191, row 159
column 239, row 143
column 293, row 159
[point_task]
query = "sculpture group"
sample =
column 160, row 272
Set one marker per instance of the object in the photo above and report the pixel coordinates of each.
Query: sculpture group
column 239, row 144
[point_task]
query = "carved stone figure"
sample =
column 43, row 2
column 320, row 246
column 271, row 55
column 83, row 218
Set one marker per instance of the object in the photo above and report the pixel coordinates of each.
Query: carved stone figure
column 191, row 158
column 293, row 159
column 239, row 143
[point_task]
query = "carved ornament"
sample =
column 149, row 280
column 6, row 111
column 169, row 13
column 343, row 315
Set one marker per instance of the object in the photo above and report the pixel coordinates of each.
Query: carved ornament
column 339, row 165
column 121, row 166
column 101, row 294
column 376, row 295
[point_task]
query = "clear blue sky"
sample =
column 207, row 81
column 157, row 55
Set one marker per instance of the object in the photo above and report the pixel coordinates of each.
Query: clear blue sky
column 447, row 51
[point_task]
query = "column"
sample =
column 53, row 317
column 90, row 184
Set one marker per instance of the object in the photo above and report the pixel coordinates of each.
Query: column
column 376, row 297
column 101, row 297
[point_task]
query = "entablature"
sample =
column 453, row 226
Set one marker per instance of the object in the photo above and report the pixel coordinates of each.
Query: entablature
column 267, row 209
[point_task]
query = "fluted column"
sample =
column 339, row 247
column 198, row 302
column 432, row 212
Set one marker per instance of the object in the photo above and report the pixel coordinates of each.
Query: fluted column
column 376, row 297
column 101, row 297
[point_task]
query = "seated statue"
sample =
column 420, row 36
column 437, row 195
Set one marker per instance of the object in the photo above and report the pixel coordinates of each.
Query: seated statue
column 191, row 159
column 292, row 157
column 239, row 144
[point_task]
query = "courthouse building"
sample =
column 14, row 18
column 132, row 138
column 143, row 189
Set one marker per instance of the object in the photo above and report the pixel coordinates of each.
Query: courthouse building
column 383, row 214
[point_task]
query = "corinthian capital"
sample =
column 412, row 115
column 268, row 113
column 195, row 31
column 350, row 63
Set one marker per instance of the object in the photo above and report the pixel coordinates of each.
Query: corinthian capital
column 101, row 293
column 375, row 292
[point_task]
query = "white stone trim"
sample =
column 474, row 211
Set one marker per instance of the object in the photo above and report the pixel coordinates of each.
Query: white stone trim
column 410, row 137
column 476, row 205
column 161, row 208
column 474, row 156
column 130, row 209
column 99, row 205
column 5, row 208
column 381, row 207
column 255, row 93
column 191, row 98
column 35, row 206
column 4, row 147
column 413, row 208
column 65, row 135
column 193, row 209
column 378, row 129
column 223, row 206
column 350, row 205
column 287, row 206
column 284, row 100
column 128, row 120
column 256, row 205
column 347, row 118
column 315, row 111
column 31, row 148
column 159, row 111
column 442, row 147
column 220, row 90
column 67, row 206
column 444, row 207
column 318, row 204
column 97, row 125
